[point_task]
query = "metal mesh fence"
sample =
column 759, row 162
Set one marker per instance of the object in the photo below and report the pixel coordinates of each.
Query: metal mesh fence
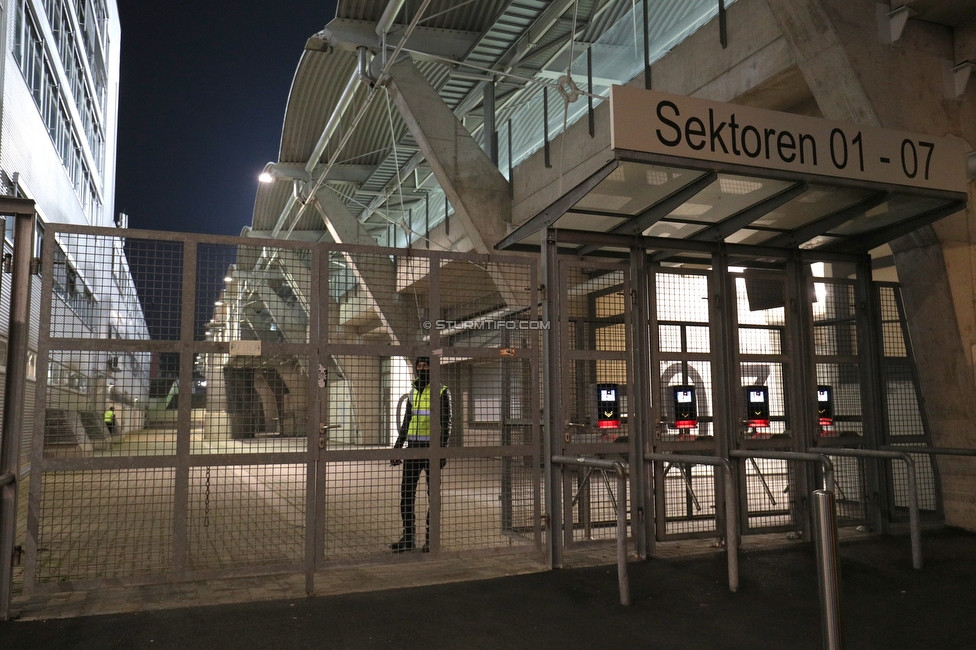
column 763, row 355
column 595, row 499
column 690, row 498
column 178, row 415
column 246, row 515
column 925, row 477
column 104, row 524
column 770, row 494
column 836, row 351
column 853, row 503
column 903, row 407
column 684, row 349
column 488, row 503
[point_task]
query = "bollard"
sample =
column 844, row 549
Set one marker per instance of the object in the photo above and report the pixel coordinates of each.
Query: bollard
column 828, row 569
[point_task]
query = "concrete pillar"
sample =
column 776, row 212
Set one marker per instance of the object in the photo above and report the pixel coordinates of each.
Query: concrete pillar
column 376, row 273
column 479, row 193
column 477, row 190
column 856, row 75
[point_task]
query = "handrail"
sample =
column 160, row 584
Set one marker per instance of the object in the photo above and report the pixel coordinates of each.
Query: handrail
column 913, row 516
column 7, row 479
column 809, row 457
column 825, row 536
column 620, row 468
column 934, row 451
column 731, row 505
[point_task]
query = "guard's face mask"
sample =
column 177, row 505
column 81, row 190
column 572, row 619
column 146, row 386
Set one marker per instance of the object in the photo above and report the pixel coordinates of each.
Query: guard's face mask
column 423, row 375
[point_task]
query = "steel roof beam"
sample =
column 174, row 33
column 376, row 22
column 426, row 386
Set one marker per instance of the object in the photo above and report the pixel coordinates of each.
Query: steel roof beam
column 557, row 208
column 644, row 220
column 872, row 239
column 821, row 226
column 719, row 231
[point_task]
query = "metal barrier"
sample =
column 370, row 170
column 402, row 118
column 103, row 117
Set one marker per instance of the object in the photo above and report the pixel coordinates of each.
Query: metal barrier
column 825, row 534
column 7, row 479
column 620, row 468
column 828, row 570
column 15, row 389
column 933, row 451
column 809, row 457
column 913, row 517
column 731, row 509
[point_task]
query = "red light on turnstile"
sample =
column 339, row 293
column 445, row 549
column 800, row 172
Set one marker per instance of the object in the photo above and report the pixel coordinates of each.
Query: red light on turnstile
column 608, row 424
column 686, row 424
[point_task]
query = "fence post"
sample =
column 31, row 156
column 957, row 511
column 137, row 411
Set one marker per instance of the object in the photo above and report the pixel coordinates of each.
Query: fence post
column 828, row 571
column 13, row 399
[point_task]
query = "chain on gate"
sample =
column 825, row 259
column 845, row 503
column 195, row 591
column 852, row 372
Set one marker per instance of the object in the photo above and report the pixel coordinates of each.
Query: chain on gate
column 206, row 501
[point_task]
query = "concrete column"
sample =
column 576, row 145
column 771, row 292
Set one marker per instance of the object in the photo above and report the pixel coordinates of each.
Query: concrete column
column 857, row 76
column 376, row 273
column 477, row 190
column 479, row 193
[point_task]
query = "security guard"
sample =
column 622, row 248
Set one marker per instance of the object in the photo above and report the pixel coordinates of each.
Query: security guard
column 110, row 420
column 415, row 432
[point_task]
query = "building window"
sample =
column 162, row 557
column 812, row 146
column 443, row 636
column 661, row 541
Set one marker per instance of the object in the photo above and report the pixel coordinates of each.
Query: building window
column 72, row 289
column 35, row 64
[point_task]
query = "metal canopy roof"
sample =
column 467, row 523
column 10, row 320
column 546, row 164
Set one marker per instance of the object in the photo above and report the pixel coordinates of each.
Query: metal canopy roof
column 680, row 204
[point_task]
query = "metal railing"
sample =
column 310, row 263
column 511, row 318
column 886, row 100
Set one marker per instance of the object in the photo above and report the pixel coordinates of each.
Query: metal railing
column 932, row 451
column 620, row 468
column 731, row 504
column 825, row 536
column 808, row 457
column 913, row 516
column 7, row 479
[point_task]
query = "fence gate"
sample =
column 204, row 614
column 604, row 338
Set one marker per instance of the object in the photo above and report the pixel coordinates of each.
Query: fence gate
column 594, row 372
column 232, row 412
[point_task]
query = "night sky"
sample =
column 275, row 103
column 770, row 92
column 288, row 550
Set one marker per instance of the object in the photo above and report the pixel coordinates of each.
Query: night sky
column 203, row 94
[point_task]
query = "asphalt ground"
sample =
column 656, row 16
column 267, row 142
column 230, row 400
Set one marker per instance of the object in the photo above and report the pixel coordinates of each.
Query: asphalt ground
column 677, row 603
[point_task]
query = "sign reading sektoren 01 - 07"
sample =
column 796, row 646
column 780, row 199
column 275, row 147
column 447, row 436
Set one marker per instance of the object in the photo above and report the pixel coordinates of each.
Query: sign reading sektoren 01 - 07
column 675, row 125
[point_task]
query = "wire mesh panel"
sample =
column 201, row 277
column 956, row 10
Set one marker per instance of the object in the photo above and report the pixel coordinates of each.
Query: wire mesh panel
column 852, row 497
column 246, row 515
column 836, row 356
column 684, row 401
column 595, row 498
column 596, row 377
column 104, row 524
column 488, row 503
column 689, row 496
column 257, row 293
column 683, row 352
column 770, row 494
column 142, row 373
column 905, row 418
column 101, row 403
column 438, row 360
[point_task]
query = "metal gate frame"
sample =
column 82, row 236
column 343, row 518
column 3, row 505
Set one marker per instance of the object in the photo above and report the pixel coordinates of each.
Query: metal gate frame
column 798, row 359
column 315, row 453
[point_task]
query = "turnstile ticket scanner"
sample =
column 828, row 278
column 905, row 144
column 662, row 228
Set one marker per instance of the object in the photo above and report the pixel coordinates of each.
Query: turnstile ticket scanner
column 685, row 419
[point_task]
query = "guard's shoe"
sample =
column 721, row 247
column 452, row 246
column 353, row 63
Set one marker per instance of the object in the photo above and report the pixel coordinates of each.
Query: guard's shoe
column 403, row 545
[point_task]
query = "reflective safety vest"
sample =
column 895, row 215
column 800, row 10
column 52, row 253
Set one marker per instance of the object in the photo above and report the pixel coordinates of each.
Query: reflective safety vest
column 109, row 417
column 419, row 429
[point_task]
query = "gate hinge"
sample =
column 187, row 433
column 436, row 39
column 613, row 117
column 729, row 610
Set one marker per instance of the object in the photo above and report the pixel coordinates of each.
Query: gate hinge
column 546, row 523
